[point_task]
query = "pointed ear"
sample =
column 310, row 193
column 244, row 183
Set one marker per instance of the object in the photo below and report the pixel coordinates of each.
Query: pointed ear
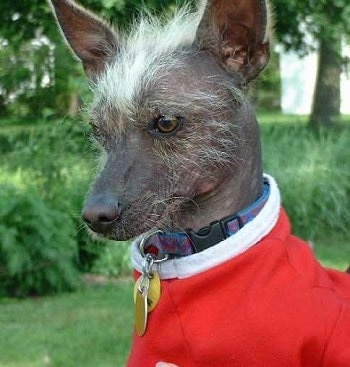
column 237, row 33
column 91, row 40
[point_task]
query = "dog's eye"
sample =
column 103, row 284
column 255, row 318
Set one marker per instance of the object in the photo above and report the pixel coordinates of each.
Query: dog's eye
column 165, row 125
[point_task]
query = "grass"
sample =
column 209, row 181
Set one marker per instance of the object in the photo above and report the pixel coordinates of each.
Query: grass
column 333, row 250
column 268, row 118
column 88, row 328
column 313, row 174
column 276, row 117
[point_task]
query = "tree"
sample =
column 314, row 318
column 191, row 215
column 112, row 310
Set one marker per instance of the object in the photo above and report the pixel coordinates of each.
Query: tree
column 326, row 104
column 28, row 83
column 328, row 21
column 38, row 75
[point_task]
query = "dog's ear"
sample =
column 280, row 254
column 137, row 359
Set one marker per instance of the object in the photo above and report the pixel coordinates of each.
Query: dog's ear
column 237, row 32
column 92, row 41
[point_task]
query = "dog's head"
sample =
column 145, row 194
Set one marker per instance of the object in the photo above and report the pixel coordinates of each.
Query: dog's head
column 169, row 110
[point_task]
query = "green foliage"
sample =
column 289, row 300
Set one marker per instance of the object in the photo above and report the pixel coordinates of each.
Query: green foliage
column 313, row 173
column 26, row 69
column 38, row 75
column 56, row 159
column 114, row 261
column 322, row 19
column 122, row 13
column 37, row 248
column 266, row 91
column 47, row 181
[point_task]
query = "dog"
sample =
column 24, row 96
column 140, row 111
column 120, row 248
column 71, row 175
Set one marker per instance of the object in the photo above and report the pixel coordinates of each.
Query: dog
column 220, row 279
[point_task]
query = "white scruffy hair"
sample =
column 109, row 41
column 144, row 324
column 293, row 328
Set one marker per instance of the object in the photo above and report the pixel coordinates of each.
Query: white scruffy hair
column 146, row 51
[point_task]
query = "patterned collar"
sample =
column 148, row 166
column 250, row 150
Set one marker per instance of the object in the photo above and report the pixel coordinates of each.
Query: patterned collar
column 172, row 244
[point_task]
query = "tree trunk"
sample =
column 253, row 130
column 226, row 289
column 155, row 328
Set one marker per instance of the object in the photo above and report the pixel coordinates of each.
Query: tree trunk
column 326, row 103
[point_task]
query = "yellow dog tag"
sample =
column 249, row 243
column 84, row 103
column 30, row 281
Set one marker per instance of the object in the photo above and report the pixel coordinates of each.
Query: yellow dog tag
column 141, row 312
column 147, row 293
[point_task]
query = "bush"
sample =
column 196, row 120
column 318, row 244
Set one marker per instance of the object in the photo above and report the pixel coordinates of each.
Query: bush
column 114, row 261
column 37, row 248
column 43, row 179
column 49, row 154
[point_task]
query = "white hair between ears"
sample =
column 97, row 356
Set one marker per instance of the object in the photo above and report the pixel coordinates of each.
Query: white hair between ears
column 143, row 54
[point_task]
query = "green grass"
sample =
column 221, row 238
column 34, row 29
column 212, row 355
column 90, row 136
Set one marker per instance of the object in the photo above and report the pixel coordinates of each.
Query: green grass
column 333, row 250
column 313, row 173
column 88, row 328
column 277, row 117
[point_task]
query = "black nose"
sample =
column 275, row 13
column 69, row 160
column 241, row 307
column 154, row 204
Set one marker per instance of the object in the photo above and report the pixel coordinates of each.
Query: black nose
column 101, row 212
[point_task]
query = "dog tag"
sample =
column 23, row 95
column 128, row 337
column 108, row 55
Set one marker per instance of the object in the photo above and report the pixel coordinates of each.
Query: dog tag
column 154, row 290
column 141, row 312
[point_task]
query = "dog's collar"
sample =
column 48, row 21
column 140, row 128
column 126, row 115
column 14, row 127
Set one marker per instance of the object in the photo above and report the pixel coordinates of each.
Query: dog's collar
column 173, row 245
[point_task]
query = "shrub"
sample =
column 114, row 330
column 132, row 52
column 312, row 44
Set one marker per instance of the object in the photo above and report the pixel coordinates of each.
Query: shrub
column 114, row 260
column 49, row 154
column 37, row 247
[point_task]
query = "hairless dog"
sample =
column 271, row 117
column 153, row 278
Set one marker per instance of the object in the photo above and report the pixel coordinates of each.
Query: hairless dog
column 219, row 278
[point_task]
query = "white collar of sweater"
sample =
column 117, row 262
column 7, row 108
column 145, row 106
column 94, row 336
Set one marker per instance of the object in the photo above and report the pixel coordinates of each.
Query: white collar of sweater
column 225, row 250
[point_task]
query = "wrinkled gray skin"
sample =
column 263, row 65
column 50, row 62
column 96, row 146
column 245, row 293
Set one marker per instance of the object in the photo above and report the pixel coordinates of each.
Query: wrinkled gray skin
column 211, row 166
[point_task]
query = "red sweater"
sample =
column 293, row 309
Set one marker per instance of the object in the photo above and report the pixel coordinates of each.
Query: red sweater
column 273, row 305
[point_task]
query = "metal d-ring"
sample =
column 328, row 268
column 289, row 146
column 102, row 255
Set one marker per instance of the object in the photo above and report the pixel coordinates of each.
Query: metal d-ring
column 143, row 243
column 144, row 284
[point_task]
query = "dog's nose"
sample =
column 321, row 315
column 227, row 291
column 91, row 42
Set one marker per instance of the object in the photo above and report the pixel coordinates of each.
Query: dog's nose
column 101, row 213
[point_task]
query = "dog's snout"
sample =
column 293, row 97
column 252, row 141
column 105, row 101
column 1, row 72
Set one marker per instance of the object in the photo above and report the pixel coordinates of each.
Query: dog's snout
column 101, row 213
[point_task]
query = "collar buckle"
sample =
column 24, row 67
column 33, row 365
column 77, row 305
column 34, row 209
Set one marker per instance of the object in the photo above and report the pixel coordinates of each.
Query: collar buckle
column 212, row 234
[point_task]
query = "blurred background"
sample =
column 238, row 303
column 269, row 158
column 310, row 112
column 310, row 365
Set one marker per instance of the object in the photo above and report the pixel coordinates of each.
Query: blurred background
column 66, row 300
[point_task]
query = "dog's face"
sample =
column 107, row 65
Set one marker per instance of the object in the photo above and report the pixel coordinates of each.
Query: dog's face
column 169, row 110
column 165, row 148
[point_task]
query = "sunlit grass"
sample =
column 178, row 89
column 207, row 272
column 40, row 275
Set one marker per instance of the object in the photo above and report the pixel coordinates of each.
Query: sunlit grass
column 88, row 328
column 332, row 250
column 278, row 118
